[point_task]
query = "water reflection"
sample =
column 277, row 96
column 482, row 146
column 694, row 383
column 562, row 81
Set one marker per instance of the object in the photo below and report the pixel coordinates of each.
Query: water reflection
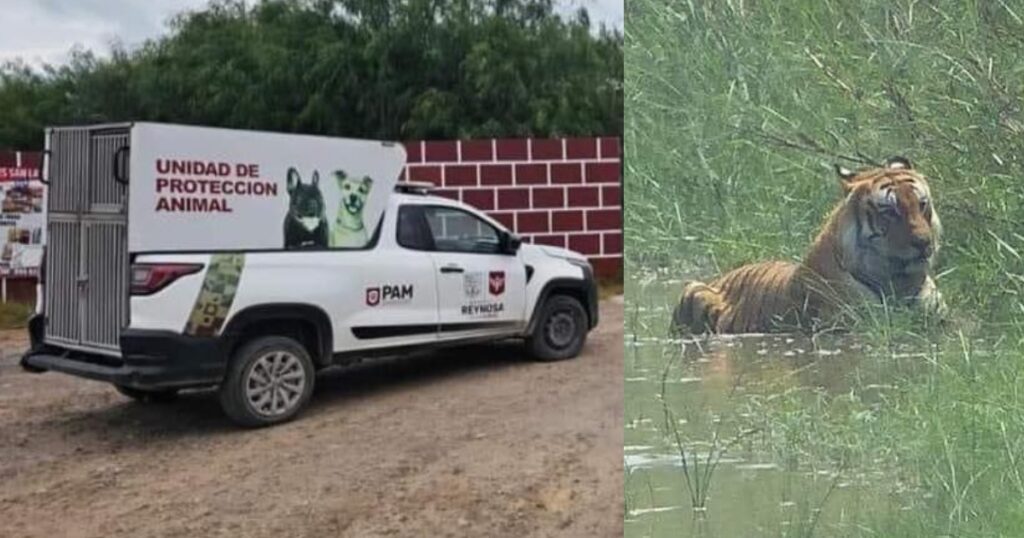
column 708, row 425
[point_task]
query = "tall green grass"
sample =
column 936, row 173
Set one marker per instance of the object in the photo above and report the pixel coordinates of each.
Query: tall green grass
column 736, row 111
column 14, row 315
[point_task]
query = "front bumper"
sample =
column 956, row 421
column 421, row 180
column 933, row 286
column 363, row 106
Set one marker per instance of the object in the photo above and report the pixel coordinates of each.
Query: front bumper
column 149, row 360
column 593, row 304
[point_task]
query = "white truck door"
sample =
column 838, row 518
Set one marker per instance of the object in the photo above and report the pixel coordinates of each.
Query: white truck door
column 397, row 303
column 481, row 291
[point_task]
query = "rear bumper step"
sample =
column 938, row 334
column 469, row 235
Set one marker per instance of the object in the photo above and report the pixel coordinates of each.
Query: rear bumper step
column 150, row 360
column 119, row 375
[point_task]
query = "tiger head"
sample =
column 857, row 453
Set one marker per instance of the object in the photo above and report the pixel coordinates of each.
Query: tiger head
column 895, row 229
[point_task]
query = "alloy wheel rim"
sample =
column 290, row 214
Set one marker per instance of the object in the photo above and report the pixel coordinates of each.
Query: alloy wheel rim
column 275, row 383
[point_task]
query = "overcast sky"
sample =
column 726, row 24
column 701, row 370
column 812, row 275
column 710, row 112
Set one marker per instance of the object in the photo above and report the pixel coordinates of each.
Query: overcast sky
column 40, row 31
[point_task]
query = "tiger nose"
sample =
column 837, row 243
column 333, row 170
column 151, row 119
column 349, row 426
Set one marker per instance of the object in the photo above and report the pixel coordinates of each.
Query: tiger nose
column 922, row 243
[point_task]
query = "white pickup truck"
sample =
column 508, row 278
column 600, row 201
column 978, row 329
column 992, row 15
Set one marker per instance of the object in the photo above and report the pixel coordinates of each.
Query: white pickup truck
column 181, row 257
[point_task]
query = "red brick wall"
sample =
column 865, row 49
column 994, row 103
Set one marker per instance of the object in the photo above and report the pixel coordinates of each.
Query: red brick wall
column 565, row 192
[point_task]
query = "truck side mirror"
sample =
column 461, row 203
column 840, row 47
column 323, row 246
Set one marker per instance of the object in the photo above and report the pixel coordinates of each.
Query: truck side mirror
column 510, row 243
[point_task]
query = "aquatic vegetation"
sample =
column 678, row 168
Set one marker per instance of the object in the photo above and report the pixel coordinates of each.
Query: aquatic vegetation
column 735, row 113
column 836, row 435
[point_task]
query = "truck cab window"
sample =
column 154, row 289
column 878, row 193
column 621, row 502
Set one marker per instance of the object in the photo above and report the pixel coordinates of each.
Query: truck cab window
column 455, row 230
column 412, row 230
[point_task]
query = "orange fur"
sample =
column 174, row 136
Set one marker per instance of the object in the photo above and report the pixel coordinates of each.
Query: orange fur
column 878, row 242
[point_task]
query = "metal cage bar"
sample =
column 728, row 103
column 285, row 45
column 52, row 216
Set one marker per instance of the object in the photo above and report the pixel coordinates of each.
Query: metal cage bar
column 86, row 295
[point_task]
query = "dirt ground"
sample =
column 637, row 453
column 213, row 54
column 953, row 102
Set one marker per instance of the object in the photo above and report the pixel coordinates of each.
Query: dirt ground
column 471, row 442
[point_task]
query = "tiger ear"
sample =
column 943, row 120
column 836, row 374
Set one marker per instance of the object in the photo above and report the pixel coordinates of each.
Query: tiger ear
column 845, row 175
column 897, row 162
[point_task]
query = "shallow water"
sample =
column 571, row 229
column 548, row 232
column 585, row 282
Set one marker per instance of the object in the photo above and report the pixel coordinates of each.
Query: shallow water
column 743, row 412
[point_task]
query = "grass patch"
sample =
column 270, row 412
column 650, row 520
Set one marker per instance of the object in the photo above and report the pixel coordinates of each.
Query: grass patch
column 14, row 315
column 609, row 287
column 736, row 112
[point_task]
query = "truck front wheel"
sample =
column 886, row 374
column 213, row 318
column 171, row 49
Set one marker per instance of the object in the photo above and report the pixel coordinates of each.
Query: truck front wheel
column 561, row 329
column 268, row 381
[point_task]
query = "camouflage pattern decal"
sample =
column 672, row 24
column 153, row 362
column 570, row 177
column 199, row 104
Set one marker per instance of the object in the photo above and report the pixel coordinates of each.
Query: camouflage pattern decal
column 216, row 295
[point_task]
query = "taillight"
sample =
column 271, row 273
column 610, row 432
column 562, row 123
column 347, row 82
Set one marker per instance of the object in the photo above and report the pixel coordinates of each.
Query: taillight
column 149, row 278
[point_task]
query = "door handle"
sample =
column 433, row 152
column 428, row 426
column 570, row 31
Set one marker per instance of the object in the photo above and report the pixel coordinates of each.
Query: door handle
column 452, row 269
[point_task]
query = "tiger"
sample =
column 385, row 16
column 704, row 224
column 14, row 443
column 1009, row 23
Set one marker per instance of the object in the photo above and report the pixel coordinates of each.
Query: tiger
column 878, row 244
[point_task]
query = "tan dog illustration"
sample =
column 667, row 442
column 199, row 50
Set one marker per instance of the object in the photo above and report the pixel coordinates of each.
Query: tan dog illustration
column 349, row 230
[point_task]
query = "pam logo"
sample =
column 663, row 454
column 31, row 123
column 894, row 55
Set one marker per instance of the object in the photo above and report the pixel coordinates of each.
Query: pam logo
column 388, row 294
column 496, row 282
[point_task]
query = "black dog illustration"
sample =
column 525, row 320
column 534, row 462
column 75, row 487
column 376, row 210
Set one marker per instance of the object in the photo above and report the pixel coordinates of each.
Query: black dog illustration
column 305, row 225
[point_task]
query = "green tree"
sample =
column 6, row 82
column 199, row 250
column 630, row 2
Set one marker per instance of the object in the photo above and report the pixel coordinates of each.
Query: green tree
column 389, row 69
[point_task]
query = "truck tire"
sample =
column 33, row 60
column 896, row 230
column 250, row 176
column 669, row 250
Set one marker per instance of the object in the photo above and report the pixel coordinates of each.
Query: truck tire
column 561, row 329
column 148, row 395
column 268, row 381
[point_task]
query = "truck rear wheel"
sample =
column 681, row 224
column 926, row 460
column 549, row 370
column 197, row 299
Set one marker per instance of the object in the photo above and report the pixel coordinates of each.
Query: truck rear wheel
column 148, row 395
column 268, row 381
column 561, row 329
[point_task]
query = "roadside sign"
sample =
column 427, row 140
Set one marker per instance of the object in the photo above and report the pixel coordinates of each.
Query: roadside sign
column 22, row 215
